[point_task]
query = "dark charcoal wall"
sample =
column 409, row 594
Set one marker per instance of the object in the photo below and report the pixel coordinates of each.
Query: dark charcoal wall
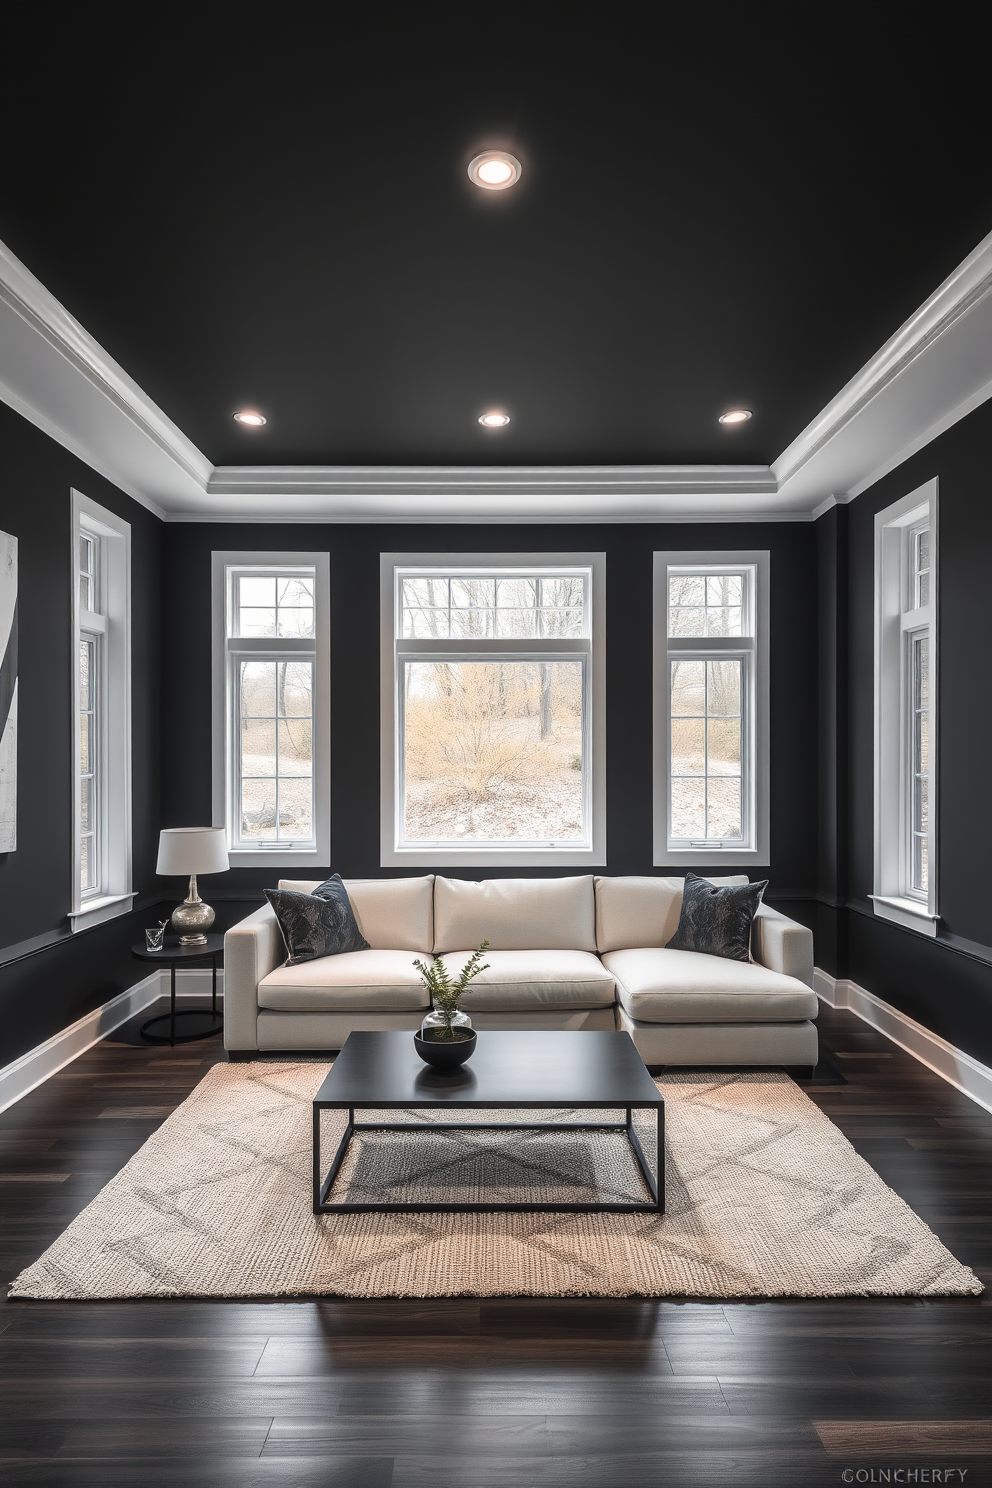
column 354, row 556
column 946, row 985
column 66, row 975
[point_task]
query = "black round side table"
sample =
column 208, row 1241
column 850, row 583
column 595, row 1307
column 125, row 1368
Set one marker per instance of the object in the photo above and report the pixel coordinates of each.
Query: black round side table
column 172, row 955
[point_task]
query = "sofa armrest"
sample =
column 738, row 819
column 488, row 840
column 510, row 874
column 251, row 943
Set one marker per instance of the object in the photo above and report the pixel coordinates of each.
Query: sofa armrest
column 782, row 945
column 252, row 949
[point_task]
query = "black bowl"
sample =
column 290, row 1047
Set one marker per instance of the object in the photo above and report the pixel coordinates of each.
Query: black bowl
column 442, row 1054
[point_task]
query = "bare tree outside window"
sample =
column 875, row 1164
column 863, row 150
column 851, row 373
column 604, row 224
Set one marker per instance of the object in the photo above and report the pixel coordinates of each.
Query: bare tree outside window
column 493, row 750
column 493, row 743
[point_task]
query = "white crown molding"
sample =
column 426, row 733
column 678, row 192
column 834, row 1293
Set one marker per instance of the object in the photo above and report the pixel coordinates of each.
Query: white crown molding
column 56, row 375
column 829, row 502
column 522, row 493
column 932, row 372
column 82, row 452
column 461, row 480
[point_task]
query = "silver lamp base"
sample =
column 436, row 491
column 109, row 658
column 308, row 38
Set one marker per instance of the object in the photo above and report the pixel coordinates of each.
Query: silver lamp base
column 192, row 919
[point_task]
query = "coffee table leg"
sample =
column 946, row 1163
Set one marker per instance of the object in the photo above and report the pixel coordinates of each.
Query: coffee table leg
column 316, row 1159
column 321, row 1188
column 659, row 1118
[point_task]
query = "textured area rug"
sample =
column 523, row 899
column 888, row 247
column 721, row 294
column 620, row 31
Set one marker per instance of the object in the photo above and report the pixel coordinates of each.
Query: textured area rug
column 766, row 1198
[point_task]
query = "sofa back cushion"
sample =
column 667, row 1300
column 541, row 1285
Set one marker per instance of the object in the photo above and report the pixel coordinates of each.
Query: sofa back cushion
column 393, row 914
column 639, row 911
column 514, row 914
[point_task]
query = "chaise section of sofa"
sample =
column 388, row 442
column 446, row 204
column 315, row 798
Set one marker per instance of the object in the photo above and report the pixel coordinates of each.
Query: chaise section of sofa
column 681, row 1007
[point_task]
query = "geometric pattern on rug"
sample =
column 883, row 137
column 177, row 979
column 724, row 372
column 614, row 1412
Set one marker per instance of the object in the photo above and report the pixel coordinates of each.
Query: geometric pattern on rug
column 765, row 1197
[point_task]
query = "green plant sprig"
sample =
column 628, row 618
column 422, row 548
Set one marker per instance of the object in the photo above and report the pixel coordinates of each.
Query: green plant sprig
column 444, row 991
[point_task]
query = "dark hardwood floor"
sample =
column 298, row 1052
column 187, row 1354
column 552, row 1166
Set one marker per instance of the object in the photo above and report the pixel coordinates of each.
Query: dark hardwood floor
column 500, row 1394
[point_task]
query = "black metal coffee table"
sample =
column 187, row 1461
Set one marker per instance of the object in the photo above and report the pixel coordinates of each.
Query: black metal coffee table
column 518, row 1071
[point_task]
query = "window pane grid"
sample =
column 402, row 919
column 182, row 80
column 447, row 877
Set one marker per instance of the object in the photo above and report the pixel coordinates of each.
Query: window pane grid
column 707, row 749
column 89, row 772
column 87, row 572
column 274, row 604
column 919, row 804
column 489, row 607
column 275, row 751
column 920, row 568
column 707, row 604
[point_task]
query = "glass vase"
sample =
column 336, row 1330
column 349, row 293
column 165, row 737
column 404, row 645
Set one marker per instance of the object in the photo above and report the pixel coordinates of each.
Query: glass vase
column 434, row 1019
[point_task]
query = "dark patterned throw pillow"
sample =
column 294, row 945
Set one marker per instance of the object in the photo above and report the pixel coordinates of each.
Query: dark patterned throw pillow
column 717, row 921
column 318, row 924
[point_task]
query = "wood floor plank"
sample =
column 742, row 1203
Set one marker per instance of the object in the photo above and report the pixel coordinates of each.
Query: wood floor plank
column 903, row 1438
column 218, row 1436
column 202, row 1472
column 130, row 1113
column 29, row 1177
column 180, row 1318
column 464, row 1435
column 162, row 1358
column 699, row 1469
column 305, row 1356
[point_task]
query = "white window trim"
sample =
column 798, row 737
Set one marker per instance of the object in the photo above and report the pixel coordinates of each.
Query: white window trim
column 423, row 855
column 890, row 899
column 758, row 774
column 114, row 536
column 279, row 855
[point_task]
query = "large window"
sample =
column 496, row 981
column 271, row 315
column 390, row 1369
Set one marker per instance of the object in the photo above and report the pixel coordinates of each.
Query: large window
column 271, row 748
column 100, row 570
column 492, row 709
column 711, row 710
column 905, row 716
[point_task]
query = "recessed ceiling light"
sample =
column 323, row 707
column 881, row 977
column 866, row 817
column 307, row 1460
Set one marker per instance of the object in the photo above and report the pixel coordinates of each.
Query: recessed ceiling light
column 249, row 417
column 494, row 420
column 494, row 170
column 736, row 416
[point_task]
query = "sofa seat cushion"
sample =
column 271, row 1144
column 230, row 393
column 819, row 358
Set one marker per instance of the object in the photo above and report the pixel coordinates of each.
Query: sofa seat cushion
column 518, row 981
column 665, row 986
column 379, row 981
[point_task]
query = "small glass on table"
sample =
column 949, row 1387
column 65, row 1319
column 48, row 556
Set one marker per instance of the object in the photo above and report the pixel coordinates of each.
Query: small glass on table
column 155, row 939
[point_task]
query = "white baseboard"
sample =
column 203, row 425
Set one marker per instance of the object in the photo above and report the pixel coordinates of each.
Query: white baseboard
column 953, row 1065
column 39, row 1064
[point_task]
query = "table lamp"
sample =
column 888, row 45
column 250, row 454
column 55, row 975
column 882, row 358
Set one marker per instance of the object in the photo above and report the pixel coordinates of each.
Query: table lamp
column 192, row 850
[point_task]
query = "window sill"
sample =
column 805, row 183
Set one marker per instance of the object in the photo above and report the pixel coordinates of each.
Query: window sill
column 909, row 913
column 96, row 911
column 688, row 857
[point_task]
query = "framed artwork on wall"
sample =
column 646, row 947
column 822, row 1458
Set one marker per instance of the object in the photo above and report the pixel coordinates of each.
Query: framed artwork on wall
column 8, row 692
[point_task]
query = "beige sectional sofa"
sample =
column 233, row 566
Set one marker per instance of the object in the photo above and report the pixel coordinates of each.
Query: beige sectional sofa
column 578, row 952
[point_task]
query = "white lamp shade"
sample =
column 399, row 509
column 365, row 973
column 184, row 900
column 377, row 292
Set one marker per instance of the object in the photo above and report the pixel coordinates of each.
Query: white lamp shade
column 192, row 850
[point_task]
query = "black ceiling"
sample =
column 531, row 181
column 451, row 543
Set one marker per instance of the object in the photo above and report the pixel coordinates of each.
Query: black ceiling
column 275, row 213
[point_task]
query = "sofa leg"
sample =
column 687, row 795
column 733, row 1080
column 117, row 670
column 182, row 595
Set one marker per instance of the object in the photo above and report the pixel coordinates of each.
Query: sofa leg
column 239, row 1056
